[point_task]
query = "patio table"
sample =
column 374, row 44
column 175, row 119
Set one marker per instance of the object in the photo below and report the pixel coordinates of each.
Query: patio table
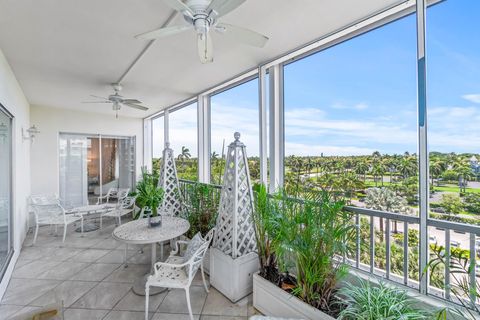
column 138, row 232
column 90, row 209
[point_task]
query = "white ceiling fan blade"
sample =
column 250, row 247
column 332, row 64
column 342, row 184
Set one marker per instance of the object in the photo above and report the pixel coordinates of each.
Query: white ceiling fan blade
column 205, row 47
column 243, row 35
column 162, row 32
column 134, row 101
column 179, row 6
column 136, row 106
column 94, row 96
column 222, row 7
column 96, row 102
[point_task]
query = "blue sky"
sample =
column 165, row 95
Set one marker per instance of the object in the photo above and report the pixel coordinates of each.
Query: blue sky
column 360, row 96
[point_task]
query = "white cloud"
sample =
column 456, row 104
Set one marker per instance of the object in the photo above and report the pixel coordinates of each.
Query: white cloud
column 475, row 98
column 300, row 149
column 358, row 106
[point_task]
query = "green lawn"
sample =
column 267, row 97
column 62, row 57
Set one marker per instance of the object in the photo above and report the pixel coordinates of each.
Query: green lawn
column 452, row 188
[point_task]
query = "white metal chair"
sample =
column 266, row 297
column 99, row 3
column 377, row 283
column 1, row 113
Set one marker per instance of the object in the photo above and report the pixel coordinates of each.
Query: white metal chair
column 48, row 211
column 177, row 273
column 111, row 194
column 125, row 207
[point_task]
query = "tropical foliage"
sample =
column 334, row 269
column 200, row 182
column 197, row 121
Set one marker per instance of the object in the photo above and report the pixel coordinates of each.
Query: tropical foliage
column 366, row 301
column 201, row 204
column 148, row 194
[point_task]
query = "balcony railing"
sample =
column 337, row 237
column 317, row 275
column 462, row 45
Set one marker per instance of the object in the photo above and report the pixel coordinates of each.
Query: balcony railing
column 387, row 225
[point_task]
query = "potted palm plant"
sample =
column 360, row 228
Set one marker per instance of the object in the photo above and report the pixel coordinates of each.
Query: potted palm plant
column 308, row 239
column 149, row 196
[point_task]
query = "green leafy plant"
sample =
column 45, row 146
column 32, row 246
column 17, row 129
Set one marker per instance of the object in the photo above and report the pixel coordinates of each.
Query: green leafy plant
column 460, row 287
column 312, row 236
column 265, row 218
column 366, row 301
column 202, row 202
column 148, row 194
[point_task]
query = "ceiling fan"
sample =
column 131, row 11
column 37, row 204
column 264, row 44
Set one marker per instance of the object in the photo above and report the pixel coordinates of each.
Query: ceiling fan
column 202, row 16
column 117, row 100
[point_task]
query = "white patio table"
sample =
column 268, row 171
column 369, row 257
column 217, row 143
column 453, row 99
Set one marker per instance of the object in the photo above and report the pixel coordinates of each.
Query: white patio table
column 90, row 209
column 138, row 232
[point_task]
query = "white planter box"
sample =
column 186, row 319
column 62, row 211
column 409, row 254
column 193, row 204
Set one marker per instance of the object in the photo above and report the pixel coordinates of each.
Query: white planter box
column 206, row 262
column 273, row 301
column 233, row 277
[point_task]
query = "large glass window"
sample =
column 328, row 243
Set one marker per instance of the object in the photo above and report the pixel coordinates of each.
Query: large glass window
column 183, row 134
column 351, row 129
column 235, row 110
column 158, row 141
column 453, row 97
column 5, row 190
column 454, row 108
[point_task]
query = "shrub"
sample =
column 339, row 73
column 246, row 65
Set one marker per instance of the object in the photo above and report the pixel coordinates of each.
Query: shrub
column 451, row 203
column 472, row 202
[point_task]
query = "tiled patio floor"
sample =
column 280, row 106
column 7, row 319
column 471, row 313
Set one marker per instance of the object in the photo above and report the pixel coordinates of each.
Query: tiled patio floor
column 87, row 274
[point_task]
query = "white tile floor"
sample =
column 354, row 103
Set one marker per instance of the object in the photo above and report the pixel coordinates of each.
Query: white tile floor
column 88, row 276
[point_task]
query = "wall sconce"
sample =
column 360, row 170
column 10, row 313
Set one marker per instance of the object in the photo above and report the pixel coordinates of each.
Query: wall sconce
column 30, row 133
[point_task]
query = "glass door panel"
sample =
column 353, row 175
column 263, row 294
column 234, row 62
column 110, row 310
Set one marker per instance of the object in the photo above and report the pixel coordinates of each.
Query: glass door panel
column 5, row 190
column 73, row 170
column 93, row 169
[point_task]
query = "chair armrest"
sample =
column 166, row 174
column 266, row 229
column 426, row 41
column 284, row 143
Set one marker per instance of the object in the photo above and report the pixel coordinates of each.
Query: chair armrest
column 177, row 247
column 102, row 197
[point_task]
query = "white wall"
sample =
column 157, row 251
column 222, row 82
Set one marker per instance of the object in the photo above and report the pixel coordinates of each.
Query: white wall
column 13, row 99
column 52, row 121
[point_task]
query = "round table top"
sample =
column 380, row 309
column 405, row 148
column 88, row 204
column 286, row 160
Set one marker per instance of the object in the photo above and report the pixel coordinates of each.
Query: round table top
column 137, row 231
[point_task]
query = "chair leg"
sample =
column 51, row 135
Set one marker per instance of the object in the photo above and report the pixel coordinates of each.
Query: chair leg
column 161, row 251
column 36, row 233
column 126, row 255
column 81, row 226
column 64, row 232
column 101, row 222
column 203, row 278
column 147, row 293
column 119, row 220
column 187, row 294
column 56, row 230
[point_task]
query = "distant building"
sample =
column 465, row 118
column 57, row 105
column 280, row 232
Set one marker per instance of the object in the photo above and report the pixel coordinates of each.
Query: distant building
column 474, row 165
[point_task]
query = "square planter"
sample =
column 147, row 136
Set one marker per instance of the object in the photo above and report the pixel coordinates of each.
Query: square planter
column 274, row 301
column 233, row 277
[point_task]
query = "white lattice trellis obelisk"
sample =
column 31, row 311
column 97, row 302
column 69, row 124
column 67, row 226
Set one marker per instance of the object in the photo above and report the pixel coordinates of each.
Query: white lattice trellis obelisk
column 172, row 202
column 233, row 256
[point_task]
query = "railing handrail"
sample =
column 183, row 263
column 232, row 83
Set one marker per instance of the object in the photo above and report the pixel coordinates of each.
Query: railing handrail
column 216, row 186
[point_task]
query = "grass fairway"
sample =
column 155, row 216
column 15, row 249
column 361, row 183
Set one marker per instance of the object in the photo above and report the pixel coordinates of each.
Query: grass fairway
column 452, row 188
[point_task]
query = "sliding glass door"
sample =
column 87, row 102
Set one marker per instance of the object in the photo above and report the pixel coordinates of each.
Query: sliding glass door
column 92, row 165
column 6, row 248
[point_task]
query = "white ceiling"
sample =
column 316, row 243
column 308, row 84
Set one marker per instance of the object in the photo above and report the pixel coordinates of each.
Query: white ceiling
column 64, row 50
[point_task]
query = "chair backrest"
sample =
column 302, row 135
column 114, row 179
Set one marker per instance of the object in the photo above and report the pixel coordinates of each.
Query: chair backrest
column 122, row 193
column 127, row 202
column 197, row 258
column 44, row 199
column 112, row 192
column 209, row 236
column 45, row 212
